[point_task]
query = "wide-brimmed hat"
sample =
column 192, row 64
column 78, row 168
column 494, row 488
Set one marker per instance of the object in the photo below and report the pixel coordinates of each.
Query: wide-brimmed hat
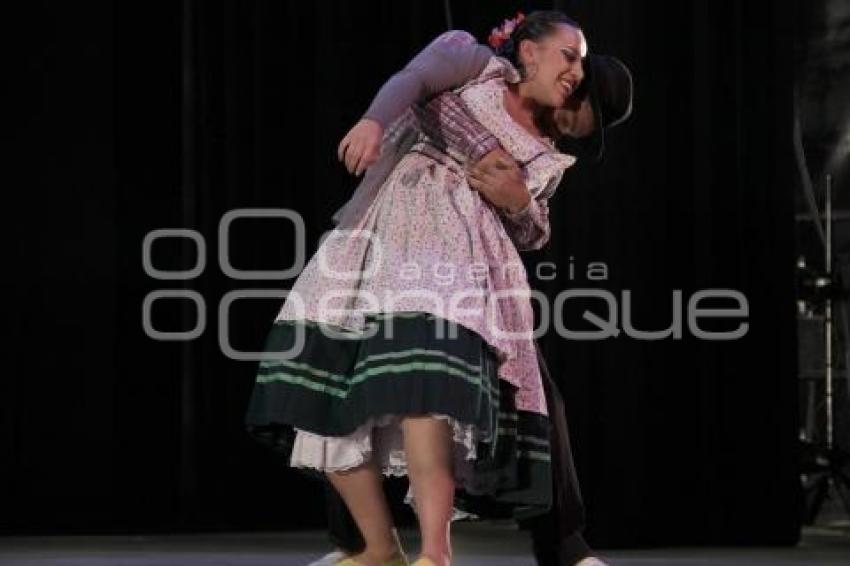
column 608, row 84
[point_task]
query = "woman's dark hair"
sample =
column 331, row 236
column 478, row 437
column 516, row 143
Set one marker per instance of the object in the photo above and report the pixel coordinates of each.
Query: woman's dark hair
column 534, row 26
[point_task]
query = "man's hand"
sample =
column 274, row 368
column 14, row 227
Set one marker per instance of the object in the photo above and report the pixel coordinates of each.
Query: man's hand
column 361, row 146
column 499, row 180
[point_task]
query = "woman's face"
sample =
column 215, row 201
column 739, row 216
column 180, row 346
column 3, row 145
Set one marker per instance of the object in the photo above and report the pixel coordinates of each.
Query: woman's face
column 553, row 65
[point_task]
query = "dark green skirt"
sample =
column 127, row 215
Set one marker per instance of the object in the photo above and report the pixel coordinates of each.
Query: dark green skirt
column 329, row 381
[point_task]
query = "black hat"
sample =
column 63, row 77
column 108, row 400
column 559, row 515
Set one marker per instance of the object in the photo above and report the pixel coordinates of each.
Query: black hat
column 608, row 83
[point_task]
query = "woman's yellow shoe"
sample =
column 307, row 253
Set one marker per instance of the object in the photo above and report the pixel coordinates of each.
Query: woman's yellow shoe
column 424, row 561
column 397, row 560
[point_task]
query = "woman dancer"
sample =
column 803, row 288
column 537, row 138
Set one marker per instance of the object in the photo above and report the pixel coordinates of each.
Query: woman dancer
column 464, row 411
column 603, row 100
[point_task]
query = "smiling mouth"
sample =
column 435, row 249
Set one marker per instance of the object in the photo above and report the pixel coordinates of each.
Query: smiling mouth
column 567, row 86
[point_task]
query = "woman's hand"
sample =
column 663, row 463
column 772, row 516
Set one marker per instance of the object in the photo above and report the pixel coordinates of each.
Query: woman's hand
column 499, row 180
column 361, row 146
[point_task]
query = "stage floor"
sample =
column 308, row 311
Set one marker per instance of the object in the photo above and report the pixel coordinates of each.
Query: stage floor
column 475, row 545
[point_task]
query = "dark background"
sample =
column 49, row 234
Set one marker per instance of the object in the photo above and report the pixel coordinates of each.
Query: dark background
column 130, row 117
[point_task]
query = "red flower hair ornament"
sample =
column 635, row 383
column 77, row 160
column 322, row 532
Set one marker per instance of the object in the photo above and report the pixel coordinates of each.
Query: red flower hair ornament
column 500, row 35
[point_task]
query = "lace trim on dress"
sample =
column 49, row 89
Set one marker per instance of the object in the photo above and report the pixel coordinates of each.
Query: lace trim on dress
column 380, row 438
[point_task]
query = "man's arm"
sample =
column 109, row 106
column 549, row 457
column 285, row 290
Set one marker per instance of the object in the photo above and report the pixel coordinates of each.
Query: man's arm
column 451, row 60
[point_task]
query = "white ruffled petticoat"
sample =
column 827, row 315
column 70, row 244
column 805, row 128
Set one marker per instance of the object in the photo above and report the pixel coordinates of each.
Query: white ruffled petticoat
column 382, row 439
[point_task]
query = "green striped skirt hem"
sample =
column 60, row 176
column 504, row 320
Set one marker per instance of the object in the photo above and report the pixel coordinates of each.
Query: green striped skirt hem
column 330, row 381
